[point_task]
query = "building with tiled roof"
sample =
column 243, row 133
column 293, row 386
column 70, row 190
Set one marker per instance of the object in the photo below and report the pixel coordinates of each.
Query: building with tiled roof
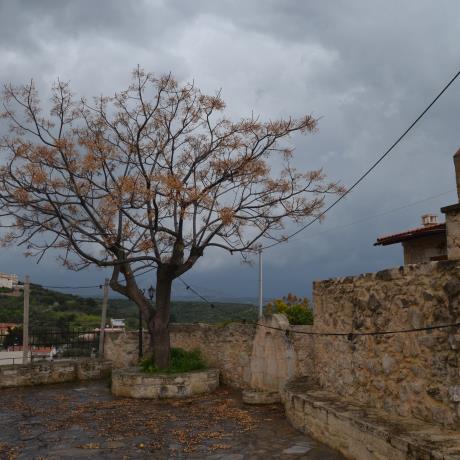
column 422, row 244
column 432, row 241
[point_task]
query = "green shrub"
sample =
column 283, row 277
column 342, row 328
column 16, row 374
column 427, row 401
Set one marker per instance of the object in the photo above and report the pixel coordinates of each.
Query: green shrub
column 181, row 361
column 296, row 309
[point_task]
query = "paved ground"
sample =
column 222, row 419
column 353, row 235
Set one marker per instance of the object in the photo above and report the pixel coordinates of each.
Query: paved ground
column 75, row 421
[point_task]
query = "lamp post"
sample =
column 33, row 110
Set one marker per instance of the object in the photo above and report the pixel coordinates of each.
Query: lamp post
column 151, row 293
column 141, row 352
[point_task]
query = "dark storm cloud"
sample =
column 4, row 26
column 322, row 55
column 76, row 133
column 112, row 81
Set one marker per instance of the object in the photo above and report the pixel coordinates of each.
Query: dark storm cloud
column 367, row 68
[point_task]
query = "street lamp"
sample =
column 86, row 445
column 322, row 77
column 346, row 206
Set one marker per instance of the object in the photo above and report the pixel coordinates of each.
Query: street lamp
column 151, row 291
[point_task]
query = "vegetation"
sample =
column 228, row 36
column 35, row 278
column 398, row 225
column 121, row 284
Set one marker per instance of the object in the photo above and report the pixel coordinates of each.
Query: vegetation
column 52, row 309
column 150, row 177
column 296, row 309
column 181, row 361
column 13, row 337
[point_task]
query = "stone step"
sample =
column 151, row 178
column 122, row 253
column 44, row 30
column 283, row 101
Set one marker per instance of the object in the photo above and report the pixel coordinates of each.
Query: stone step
column 363, row 433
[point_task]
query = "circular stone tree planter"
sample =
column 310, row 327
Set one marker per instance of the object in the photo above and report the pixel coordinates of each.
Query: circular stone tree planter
column 133, row 383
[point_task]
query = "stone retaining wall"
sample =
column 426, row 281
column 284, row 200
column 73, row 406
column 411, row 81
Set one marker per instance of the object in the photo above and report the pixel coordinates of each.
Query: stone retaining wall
column 46, row 372
column 227, row 348
column 413, row 374
column 363, row 433
column 265, row 361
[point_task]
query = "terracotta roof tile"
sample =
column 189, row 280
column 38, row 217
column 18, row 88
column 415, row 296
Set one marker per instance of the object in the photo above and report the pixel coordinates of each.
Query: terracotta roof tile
column 411, row 234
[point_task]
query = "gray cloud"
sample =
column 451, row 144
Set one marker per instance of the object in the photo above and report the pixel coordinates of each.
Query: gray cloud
column 367, row 68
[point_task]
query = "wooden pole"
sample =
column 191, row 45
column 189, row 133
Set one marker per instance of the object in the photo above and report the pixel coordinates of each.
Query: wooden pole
column 25, row 322
column 105, row 302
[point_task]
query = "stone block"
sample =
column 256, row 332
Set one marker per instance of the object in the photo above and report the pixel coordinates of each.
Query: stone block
column 454, row 393
column 388, row 364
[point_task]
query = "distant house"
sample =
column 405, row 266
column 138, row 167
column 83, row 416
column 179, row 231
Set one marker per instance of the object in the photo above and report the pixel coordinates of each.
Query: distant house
column 117, row 323
column 6, row 327
column 40, row 353
column 8, row 281
column 432, row 241
column 422, row 244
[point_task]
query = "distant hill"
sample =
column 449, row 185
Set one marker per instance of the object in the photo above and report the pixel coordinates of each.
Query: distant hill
column 50, row 308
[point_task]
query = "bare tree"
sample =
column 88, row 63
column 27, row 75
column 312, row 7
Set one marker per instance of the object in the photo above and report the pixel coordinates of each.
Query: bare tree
column 150, row 177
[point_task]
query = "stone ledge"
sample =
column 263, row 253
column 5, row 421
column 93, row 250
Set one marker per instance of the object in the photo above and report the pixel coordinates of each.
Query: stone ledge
column 261, row 397
column 390, row 274
column 362, row 433
column 133, row 383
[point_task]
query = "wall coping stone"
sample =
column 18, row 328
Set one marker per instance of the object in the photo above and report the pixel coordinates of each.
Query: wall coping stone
column 360, row 432
column 390, row 274
column 57, row 371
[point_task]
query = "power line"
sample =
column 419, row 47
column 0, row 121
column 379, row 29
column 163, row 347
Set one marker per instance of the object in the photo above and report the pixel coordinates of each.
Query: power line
column 349, row 335
column 94, row 285
column 69, row 287
column 365, row 219
column 371, row 168
column 188, row 287
column 340, row 198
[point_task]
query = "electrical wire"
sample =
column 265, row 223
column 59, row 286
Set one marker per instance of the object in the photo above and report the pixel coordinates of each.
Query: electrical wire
column 352, row 335
column 370, row 169
column 349, row 335
column 189, row 288
column 69, row 287
column 149, row 270
column 385, row 213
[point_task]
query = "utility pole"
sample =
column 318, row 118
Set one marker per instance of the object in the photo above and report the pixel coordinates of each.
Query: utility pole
column 261, row 286
column 25, row 322
column 105, row 302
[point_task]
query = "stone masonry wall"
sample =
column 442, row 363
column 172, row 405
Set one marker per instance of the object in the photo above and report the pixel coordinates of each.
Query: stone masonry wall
column 279, row 354
column 453, row 232
column 262, row 359
column 122, row 348
column 413, row 374
column 47, row 372
column 227, row 347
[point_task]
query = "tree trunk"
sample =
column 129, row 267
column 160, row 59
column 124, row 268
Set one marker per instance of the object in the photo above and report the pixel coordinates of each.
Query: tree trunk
column 159, row 325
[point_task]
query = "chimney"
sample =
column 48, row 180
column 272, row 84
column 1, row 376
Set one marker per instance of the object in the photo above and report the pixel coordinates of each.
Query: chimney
column 457, row 172
column 429, row 219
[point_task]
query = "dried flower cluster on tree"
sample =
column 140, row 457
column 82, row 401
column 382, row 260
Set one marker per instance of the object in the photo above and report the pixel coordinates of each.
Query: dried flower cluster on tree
column 150, row 177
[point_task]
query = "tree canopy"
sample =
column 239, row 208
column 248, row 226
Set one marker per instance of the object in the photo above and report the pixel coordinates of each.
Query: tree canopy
column 149, row 177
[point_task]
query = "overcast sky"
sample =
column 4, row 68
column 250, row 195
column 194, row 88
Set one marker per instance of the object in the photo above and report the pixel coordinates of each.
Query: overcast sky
column 367, row 68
